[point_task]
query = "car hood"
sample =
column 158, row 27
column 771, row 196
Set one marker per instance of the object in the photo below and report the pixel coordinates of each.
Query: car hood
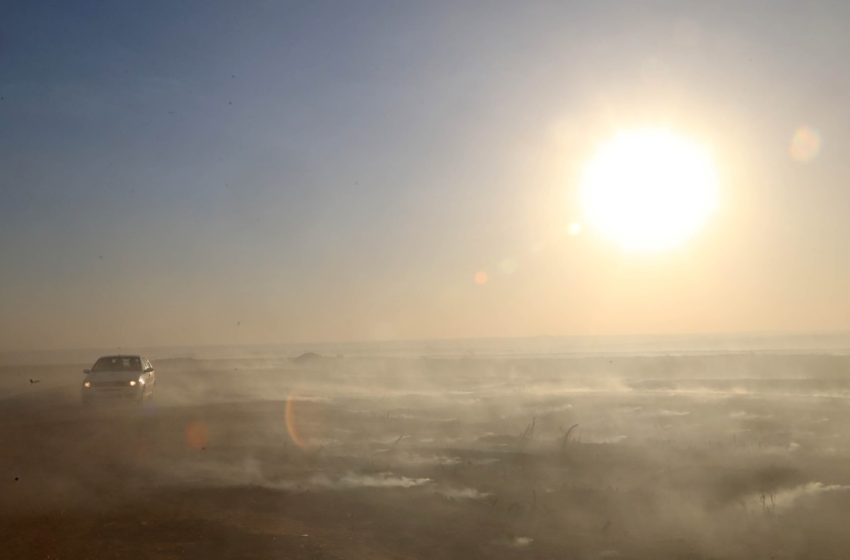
column 107, row 376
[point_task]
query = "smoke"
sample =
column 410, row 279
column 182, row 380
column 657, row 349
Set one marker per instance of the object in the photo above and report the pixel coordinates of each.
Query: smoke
column 785, row 499
column 463, row 493
column 659, row 457
column 351, row 480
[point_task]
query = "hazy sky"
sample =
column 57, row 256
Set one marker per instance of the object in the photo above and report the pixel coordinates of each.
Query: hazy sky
column 202, row 172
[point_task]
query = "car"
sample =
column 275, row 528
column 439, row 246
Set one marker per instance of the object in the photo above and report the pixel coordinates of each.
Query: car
column 120, row 377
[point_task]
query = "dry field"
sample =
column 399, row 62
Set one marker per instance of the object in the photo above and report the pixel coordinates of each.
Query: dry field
column 701, row 456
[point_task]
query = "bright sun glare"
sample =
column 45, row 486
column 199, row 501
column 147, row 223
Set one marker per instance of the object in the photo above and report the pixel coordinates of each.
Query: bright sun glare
column 648, row 189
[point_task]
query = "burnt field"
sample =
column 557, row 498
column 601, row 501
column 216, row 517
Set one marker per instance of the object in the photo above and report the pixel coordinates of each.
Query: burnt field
column 703, row 456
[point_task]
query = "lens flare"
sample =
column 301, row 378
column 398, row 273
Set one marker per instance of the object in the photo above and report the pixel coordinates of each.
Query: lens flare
column 508, row 266
column 291, row 426
column 805, row 144
column 197, row 435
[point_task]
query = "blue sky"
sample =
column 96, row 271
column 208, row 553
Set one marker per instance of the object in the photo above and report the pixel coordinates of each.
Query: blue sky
column 202, row 172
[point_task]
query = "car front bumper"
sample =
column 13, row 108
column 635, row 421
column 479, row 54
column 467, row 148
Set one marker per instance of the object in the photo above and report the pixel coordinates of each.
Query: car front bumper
column 97, row 393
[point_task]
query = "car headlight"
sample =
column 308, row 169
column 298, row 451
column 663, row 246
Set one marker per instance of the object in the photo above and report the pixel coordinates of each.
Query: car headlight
column 133, row 383
column 86, row 384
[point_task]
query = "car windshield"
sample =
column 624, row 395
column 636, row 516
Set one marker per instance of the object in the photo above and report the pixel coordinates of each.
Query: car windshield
column 118, row 363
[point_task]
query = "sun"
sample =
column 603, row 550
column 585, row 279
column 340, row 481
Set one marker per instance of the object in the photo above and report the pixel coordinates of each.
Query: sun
column 649, row 189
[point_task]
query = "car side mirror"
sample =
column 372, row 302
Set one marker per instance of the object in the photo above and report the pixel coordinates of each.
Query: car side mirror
column 87, row 371
column 148, row 370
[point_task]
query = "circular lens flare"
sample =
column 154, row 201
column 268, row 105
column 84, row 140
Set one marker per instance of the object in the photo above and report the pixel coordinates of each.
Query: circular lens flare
column 197, row 434
column 291, row 426
column 805, row 144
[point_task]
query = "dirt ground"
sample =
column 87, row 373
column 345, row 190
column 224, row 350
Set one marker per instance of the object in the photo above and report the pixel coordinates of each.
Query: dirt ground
column 727, row 456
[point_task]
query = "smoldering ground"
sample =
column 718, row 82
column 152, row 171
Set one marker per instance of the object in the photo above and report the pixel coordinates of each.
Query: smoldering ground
column 722, row 456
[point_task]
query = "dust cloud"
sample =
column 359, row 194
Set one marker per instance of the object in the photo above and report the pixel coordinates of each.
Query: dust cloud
column 722, row 455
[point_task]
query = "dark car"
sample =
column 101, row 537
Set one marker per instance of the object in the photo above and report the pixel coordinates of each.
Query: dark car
column 119, row 377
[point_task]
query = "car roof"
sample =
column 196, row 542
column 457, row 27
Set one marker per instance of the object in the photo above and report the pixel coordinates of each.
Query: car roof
column 120, row 356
